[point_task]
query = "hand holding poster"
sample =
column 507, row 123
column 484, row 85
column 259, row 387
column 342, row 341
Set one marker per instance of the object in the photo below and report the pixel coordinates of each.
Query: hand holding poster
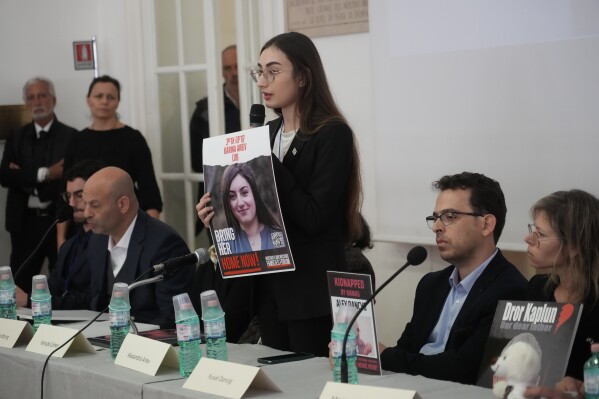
column 247, row 227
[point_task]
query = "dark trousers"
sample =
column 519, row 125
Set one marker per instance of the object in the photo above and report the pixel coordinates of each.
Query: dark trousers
column 23, row 243
column 306, row 335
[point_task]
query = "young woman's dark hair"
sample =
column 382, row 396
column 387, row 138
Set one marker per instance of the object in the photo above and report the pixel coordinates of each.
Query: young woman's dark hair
column 262, row 212
column 317, row 108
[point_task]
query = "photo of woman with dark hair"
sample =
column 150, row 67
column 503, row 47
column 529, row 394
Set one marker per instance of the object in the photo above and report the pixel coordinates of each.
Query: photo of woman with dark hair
column 247, row 212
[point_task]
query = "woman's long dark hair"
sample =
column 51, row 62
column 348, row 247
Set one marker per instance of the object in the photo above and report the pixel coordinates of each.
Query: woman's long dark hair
column 262, row 212
column 317, row 108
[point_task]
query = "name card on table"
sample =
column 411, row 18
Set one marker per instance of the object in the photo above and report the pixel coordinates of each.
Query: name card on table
column 146, row 355
column 13, row 332
column 48, row 338
column 336, row 390
column 230, row 380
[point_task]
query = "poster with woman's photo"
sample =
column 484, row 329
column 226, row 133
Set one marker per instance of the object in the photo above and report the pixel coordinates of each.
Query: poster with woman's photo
column 247, row 228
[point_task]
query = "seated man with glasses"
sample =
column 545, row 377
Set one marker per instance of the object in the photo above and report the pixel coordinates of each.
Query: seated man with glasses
column 69, row 281
column 454, row 307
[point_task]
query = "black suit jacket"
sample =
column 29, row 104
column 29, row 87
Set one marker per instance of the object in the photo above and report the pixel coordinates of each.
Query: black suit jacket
column 463, row 353
column 72, row 265
column 312, row 185
column 21, row 182
column 152, row 242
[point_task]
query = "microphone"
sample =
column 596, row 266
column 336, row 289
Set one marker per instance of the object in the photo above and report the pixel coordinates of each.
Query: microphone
column 65, row 213
column 416, row 256
column 257, row 115
column 197, row 257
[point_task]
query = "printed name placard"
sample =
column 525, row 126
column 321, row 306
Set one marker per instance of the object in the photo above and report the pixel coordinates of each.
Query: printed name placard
column 336, row 390
column 13, row 332
column 146, row 355
column 230, row 380
column 48, row 338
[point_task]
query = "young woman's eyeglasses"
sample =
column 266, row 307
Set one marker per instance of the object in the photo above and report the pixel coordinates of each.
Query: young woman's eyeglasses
column 269, row 74
column 78, row 195
column 448, row 217
column 536, row 236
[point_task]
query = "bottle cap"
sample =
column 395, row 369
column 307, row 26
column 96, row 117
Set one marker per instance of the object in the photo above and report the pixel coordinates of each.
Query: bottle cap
column 183, row 307
column 120, row 291
column 595, row 348
column 210, row 301
column 39, row 287
column 6, row 274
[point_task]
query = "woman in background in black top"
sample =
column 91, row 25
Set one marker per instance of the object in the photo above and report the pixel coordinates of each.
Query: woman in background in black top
column 116, row 144
column 565, row 238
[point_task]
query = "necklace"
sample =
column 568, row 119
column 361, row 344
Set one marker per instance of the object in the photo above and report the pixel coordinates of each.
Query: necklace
column 254, row 242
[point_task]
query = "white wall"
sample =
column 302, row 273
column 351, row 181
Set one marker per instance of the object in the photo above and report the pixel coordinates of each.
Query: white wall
column 37, row 40
column 347, row 61
column 504, row 88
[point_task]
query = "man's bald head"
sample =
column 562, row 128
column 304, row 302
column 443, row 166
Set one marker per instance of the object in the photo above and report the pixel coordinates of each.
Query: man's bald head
column 115, row 181
column 111, row 204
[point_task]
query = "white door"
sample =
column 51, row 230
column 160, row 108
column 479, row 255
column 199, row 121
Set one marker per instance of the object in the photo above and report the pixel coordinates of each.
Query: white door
column 183, row 40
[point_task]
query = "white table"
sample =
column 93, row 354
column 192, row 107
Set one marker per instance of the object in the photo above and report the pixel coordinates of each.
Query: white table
column 95, row 376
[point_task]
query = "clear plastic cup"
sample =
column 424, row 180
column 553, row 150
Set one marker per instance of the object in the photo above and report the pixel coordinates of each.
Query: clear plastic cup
column 183, row 307
column 210, row 301
column 39, row 287
column 6, row 274
column 120, row 293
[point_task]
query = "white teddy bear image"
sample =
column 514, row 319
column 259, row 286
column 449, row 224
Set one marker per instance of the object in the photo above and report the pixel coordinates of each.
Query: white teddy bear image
column 517, row 367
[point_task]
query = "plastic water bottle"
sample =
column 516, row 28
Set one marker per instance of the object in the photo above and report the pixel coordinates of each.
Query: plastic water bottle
column 8, row 294
column 342, row 319
column 188, row 334
column 591, row 374
column 119, row 309
column 214, row 326
column 41, row 301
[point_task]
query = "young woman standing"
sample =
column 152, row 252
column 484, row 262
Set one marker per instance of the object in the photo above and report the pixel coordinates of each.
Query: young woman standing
column 317, row 172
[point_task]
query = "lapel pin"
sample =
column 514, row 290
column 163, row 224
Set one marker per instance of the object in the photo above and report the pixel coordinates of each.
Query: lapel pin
column 294, row 151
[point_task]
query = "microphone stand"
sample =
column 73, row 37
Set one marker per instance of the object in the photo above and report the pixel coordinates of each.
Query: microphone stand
column 147, row 281
column 65, row 213
column 344, row 371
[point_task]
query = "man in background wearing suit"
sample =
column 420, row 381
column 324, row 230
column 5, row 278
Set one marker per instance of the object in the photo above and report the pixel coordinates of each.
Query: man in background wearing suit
column 126, row 244
column 199, row 127
column 454, row 307
column 31, row 169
